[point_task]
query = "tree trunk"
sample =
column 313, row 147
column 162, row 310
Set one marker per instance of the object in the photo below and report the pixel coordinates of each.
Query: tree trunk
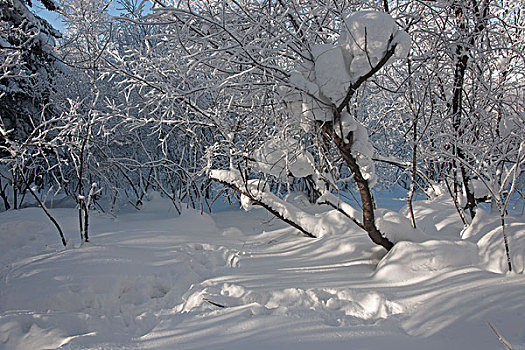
column 457, row 111
column 86, row 221
column 506, row 241
column 410, row 195
column 3, row 195
column 80, row 217
column 43, row 207
column 364, row 190
column 462, row 56
column 368, row 205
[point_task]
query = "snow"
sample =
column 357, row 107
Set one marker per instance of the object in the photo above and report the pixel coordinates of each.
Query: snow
column 492, row 249
column 361, row 149
column 345, row 207
column 409, row 260
column 253, row 186
column 336, row 307
column 479, row 188
column 323, row 81
column 254, row 190
column 330, row 73
column 43, row 35
column 367, row 31
column 279, row 158
column 486, row 232
column 148, row 279
column 397, row 227
column 437, row 217
column 309, row 104
column 319, row 85
column 403, row 42
column 365, row 38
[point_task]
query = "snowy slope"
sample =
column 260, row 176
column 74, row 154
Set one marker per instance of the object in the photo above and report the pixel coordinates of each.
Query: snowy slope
column 154, row 280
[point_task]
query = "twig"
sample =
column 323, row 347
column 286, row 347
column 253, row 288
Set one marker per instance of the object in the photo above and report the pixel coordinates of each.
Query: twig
column 265, row 206
column 339, row 209
column 501, row 339
column 213, row 303
column 43, row 207
column 456, row 204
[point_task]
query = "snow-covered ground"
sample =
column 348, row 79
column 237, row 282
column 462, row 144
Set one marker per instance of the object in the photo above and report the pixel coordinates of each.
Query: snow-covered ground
column 234, row 280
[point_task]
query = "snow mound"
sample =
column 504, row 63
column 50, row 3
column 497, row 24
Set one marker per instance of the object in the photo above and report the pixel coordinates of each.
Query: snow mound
column 334, row 307
column 23, row 231
column 487, row 233
column 478, row 225
column 155, row 203
column 437, row 217
column 29, row 330
column 492, row 249
column 333, row 222
column 397, row 227
column 16, row 234
column 132, row 295
column 417, row 261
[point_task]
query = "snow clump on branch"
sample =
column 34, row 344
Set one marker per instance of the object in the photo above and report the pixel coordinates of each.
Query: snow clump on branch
column 323, row 80
column 366, row 37
column 319, row 85
column 283, row 157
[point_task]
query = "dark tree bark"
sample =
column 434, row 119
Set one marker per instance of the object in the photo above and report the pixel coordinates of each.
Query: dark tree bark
column 43, row 207
column 345, row 150
column 265, row 206
column 362, row 184
column 462, row 56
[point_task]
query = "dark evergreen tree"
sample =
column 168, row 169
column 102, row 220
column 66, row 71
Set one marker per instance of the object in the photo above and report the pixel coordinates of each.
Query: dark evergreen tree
column 27, row 67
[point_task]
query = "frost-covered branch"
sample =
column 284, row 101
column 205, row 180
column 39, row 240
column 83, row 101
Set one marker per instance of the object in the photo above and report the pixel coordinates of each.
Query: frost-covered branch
column 298, row 219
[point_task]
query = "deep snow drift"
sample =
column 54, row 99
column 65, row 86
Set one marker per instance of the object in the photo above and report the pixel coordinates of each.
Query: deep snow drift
column 236, row 280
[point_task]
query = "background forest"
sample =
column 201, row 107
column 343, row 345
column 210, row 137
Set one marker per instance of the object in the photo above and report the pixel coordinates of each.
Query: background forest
column 137, row 96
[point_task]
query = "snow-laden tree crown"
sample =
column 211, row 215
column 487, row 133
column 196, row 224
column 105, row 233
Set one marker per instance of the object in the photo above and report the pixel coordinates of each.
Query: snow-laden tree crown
column 322, row 81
